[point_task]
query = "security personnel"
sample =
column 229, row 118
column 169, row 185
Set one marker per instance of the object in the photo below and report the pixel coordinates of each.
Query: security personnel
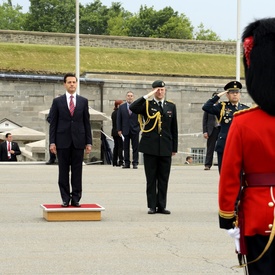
column 159, row 142
column 224, row 112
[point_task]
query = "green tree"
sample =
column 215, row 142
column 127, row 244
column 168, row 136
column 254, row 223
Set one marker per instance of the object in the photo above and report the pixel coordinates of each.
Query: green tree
column 207, row 34
column 11, row 17
column 51, row 16
column 94, row 18
column 165, row 23
column 118, row 20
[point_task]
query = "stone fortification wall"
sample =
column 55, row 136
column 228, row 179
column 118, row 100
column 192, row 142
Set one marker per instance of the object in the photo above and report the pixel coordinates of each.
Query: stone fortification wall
column 22, row 98
column 104, row 41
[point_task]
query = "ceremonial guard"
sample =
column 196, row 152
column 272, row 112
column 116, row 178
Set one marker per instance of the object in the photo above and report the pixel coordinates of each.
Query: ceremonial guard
column 250, row 138
column 224, row 112
column 159, row 141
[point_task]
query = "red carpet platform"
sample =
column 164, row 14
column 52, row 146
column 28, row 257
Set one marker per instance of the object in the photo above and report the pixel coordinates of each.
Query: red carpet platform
column 87, row 212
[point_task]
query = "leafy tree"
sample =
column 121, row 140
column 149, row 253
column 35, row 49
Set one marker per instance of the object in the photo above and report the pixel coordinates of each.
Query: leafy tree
column 176, row 28
column 207, row 34
column 163, row 24
column 11, row 17
column 51, row 16
column 94, row 18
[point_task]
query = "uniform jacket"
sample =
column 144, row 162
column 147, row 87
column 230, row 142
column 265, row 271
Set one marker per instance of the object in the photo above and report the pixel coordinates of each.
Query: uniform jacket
column 125, row 122
column 225, row 119
column 157, row 143
column 66, row 129
column 249, row 147
column 4, row 151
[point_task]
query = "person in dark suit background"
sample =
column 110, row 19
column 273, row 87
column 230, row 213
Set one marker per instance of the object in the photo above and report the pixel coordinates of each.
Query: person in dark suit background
column 70, row 134
column 9, row 149
column 128, row 128
column 211, row 129
column 118, row 143
column 159, row 142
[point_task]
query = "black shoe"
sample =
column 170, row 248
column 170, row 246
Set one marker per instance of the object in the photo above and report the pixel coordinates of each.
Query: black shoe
column 50, row 162
column 125, row 166
column 152, row 211
column 65, row 204
column 135, row 167
column 75, row 204
column 163, row 211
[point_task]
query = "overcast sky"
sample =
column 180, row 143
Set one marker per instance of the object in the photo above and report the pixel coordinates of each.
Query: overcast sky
column 218, row 15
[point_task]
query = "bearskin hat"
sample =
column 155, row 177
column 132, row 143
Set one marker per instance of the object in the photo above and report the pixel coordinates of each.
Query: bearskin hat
column 259, row 62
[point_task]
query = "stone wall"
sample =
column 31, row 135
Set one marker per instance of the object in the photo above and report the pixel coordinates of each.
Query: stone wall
column 104, row 41
column 22, row 98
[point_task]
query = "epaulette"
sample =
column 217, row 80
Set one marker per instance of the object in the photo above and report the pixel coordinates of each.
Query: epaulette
column 246, row 110
column 170, row 101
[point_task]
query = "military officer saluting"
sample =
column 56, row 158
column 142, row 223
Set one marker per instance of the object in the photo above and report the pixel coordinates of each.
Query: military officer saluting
column 159, row 142
column 224, row 112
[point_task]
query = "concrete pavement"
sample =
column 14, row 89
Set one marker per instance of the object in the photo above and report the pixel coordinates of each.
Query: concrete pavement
column 127, row 240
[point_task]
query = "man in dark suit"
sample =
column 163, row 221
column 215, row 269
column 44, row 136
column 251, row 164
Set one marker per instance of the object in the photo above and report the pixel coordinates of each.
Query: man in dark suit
column 211, row 129
column 70, row 134
column 128, row 128
column 159, row 142
column 9, row 149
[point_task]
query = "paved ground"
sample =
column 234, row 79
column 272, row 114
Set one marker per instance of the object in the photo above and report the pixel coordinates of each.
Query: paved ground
column 127, row 240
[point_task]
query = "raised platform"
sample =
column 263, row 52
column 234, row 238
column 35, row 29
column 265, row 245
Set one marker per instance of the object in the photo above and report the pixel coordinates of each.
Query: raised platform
column 87, row 212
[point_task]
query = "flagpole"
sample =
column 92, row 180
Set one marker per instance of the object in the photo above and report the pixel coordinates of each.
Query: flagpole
column 238, row 43
column 77, row 45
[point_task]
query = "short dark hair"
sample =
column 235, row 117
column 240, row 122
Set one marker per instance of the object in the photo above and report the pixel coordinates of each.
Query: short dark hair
column 8, row 134
column 69, row 75
column 188, row 157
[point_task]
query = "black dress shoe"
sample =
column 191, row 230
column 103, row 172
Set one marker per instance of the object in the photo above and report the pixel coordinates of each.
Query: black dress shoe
column 163, row 211
column 125, row 166
column 135, row 167
column 152, row 211
column 75, row 204
column 65, row 204
column 50, row 162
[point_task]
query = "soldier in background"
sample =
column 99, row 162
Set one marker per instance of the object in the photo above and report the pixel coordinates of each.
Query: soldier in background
column 210, row 129
column 224, row 112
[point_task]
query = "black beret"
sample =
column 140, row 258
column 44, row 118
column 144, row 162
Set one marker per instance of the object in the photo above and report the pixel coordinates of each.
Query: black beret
column 233, row 85
column 158, row 83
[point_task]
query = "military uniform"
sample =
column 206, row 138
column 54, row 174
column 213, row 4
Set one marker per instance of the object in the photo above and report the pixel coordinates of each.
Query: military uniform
column 224, row 112
column 159, row 139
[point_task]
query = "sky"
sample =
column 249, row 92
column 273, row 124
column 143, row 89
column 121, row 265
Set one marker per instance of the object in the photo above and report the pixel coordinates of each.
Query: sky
column 219, row 16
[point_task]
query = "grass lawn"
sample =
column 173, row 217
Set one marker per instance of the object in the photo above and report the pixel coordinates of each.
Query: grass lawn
column 45, row 59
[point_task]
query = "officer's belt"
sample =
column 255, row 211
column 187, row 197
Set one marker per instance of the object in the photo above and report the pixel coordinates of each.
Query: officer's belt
column 258, row 180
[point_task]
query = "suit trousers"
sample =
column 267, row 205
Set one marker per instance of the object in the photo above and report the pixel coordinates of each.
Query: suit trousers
column 255, row 246
column 134, row 138
column 70, row 159
column 157, row 171
column 211, row 143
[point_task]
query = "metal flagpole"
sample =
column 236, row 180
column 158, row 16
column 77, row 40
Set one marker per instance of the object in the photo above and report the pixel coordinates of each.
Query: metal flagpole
column 238, row 43
column 77, row 45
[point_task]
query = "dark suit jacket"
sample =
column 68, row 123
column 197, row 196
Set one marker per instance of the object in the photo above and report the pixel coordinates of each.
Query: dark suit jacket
column 66, row 129
column 114, row 120
column 4, row 151
column 208, row 123
column 153, row 142
column 125, row 122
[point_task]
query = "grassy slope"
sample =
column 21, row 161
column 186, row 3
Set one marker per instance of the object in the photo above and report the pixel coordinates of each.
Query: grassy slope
column 43, row 59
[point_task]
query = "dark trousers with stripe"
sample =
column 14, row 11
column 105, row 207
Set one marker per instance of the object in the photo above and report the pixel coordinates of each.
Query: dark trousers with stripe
column 255, row 246
column 157, row 171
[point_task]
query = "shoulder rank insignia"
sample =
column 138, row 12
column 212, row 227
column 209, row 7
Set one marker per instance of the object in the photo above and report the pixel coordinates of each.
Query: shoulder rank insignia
column 246, row 110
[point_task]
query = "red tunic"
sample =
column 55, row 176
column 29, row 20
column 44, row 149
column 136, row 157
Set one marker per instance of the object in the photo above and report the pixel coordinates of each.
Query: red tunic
column 250, row 146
